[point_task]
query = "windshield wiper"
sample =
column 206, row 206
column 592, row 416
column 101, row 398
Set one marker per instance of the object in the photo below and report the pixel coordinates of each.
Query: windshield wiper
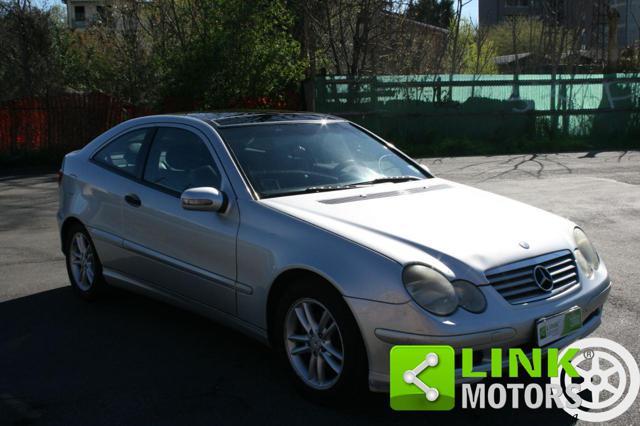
column 313, row 189
column 393, row 179
column 327, row 188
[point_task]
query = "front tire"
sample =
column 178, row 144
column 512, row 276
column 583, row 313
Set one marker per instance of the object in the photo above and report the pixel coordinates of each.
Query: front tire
column 320, row 342
column 83, row 265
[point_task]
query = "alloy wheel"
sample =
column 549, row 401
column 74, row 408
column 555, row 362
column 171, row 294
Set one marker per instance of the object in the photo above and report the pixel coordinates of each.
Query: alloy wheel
column 313, row 343
column 81, row 260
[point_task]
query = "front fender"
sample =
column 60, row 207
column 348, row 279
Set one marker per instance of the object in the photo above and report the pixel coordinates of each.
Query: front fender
column 271, row 243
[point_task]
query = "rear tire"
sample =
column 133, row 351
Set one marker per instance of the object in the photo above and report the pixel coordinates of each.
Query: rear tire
column 317, row 336
column 83, row 265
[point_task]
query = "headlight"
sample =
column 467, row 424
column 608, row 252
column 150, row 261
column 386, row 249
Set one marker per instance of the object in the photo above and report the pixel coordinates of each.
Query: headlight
column 436, row 294
column 586, row 254
column 470, row 297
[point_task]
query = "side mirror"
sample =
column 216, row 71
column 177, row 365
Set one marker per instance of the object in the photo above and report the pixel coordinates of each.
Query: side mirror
column 203, row 199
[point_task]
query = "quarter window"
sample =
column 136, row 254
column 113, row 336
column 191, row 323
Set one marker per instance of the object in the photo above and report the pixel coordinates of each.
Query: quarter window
column 179, row 160
column 125, row 154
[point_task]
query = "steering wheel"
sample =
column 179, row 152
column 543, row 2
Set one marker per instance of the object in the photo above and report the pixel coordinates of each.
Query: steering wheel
column 343, row 167
column 383, row 169
column 345, row 164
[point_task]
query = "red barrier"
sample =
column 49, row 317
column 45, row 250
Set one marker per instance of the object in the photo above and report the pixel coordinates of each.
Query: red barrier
column 59, row 123
column 63, row 123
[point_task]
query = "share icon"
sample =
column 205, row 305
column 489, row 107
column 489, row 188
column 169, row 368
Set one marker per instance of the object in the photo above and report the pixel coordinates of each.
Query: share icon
column 411, row 376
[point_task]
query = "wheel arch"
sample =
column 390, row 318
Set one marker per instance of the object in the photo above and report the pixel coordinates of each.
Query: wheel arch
column 285, row 280
column 64, row 229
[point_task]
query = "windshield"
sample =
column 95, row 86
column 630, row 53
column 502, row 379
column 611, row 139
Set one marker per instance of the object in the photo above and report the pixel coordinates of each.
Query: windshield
column 285, row 159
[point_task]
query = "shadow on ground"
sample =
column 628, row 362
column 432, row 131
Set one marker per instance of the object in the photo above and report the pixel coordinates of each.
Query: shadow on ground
column 130, row 360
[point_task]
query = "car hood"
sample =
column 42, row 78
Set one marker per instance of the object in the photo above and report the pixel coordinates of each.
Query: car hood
column 456, row 229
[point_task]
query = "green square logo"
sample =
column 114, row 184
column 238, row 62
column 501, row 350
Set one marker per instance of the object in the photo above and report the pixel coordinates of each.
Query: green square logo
column 423, row 378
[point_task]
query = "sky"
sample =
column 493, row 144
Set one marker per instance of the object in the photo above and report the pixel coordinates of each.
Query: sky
column 471, row 11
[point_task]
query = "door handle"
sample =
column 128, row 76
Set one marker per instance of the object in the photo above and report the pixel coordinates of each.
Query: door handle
column 133, row 200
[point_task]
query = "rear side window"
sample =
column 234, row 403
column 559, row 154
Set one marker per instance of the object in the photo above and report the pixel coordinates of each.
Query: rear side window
column 179, row 160
column 125, row 154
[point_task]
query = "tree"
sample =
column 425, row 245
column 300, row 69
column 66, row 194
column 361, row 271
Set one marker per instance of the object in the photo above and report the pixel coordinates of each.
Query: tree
column 367, row 37
column 29, row 65
column 192, row 54
column 527, row 31
column 475, row 53
column 115, row 55
column 457, row 38
column 432, row 12
column 479, row 52
column 221, row 51
column 560, row 42
column 349, row 29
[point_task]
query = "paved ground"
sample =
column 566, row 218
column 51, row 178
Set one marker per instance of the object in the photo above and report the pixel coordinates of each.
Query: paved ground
column 129, row 360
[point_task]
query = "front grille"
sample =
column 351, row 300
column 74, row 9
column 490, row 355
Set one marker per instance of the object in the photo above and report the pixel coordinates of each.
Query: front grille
column 516, row 284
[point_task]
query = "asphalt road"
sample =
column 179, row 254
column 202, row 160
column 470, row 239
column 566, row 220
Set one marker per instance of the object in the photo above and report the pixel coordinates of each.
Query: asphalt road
column 130, row 360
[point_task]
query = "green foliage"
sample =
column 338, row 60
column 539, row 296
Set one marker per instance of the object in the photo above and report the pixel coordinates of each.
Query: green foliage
column 432, row 12
column 474, row 53
column 528, row 36
column 479, row 59
column 231, row 50
column 113, row 56
column 213, row 54
column 29, row 64
column 478, row 51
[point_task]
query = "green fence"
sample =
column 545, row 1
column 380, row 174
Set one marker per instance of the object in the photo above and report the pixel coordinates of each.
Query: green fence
column 436, row 114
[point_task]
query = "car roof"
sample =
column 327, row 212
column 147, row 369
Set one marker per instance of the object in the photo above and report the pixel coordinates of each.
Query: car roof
column 224, row 119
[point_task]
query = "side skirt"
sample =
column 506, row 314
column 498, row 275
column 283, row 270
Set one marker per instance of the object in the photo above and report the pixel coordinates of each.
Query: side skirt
column 118, row 279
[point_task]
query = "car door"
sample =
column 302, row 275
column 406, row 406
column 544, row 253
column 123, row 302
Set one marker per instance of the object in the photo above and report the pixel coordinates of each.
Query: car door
column 190, row 254
column 114, row 165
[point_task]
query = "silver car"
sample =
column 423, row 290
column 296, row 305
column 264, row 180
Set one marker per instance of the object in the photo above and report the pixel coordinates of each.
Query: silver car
column 319, row 238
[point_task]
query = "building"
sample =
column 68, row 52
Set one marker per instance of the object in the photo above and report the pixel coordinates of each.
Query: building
column 80, row 13
column 592, row 13
column 492, row 12
column 408, row 46
column 395, row 45
column 629, row 22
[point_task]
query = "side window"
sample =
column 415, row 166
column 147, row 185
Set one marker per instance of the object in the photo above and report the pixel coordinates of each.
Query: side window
column 178, row 160
column 124, row 154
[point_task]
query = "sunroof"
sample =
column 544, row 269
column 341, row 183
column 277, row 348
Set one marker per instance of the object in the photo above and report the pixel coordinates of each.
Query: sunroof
column 215, row 116
column 250, row 118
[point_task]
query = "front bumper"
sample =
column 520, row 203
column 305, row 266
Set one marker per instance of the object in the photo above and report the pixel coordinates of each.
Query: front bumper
column 501, row 326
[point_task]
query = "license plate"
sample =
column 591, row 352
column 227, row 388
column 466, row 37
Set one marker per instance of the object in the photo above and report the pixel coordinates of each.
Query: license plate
column 557, row 326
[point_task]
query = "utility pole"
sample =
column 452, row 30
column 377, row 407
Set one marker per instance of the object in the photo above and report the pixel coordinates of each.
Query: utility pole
column 612, row 40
